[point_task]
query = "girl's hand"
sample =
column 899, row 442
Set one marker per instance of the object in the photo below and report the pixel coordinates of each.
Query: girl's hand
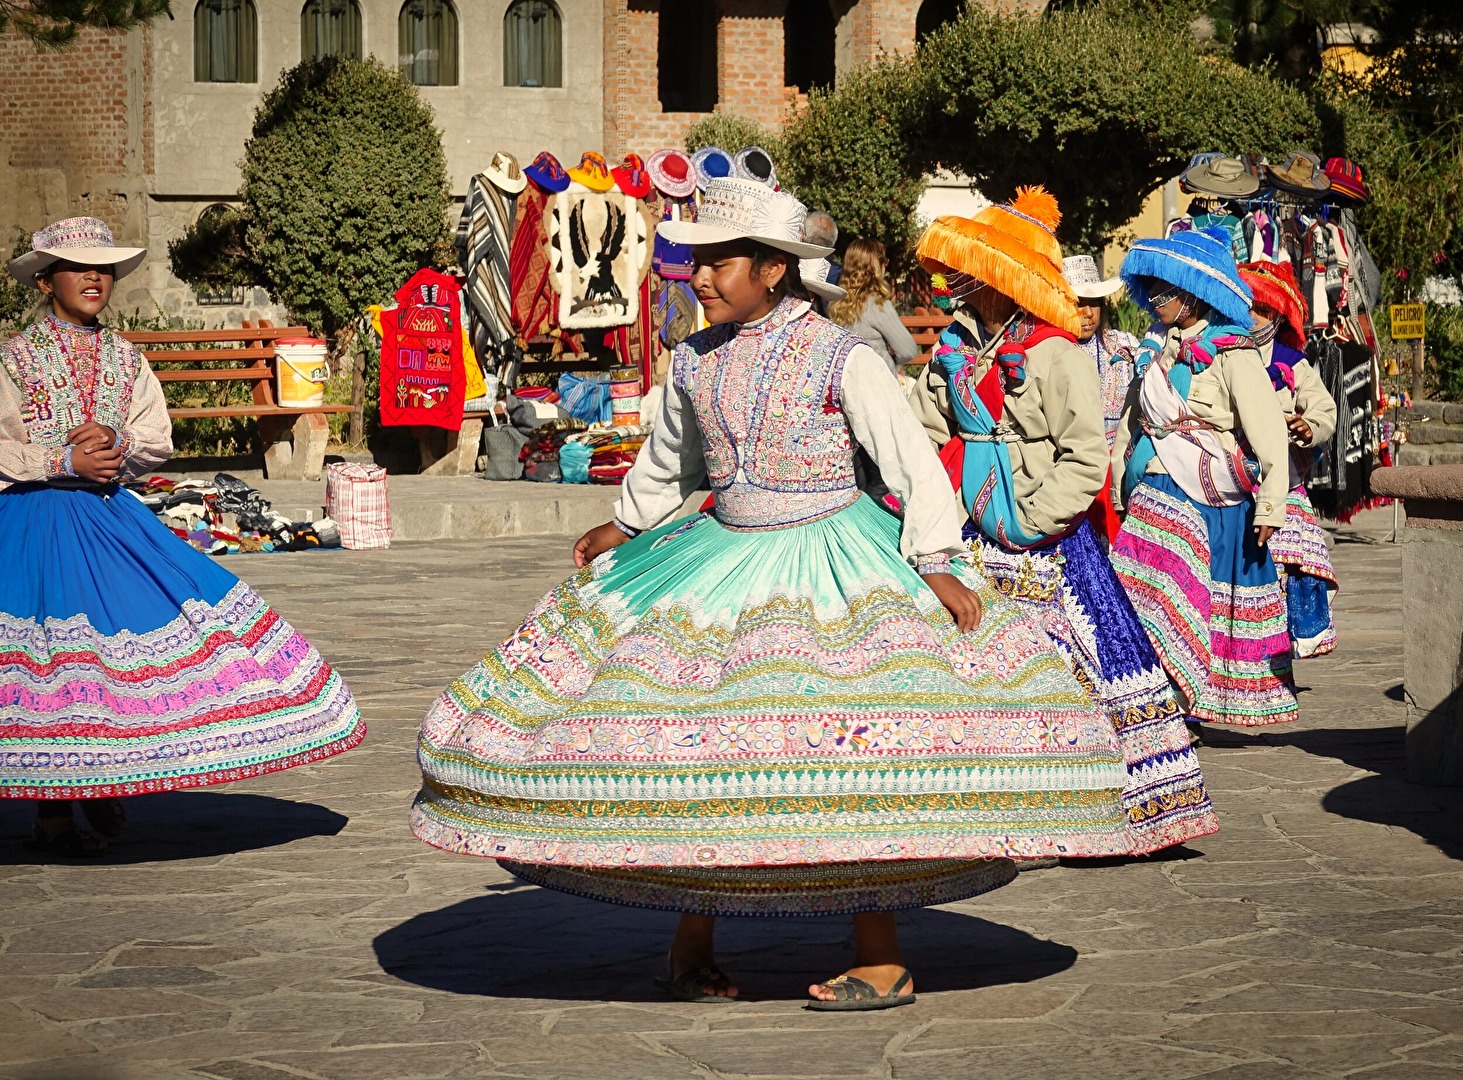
column 1263, row 534
column 963, row 605
column 100, row 466
column 596, row 542
column 1300, row 431
column 92, row 436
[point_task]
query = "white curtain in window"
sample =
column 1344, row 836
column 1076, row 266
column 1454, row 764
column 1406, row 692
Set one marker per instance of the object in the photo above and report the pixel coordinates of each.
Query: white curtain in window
column 533, row 44
column 330, row 28
column 427, row 42
column 225, row 41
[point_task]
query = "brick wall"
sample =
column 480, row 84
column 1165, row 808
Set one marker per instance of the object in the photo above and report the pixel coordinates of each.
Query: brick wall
column 73, row 133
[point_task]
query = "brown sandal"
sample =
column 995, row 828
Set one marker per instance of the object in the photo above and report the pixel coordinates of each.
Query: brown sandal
column 69, row 843
column 106, row 816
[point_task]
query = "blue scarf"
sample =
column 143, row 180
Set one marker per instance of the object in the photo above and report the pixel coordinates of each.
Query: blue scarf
column 1196, row 354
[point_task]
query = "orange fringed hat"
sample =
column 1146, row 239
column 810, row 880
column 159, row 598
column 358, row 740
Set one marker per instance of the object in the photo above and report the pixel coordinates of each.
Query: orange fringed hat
column 1012, row 248
column 1274, row 286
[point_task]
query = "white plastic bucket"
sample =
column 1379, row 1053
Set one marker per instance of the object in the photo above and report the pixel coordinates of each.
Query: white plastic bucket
column 300, row 371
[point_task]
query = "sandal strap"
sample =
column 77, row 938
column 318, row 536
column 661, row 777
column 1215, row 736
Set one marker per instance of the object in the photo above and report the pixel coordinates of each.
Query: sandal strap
column 851, row 988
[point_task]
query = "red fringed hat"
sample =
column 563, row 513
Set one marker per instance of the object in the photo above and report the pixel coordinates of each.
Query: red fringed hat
column 1274, row 286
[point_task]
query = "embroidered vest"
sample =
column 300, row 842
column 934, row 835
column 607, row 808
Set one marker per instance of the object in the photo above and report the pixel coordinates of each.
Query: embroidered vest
column 69, row 376
column 768, row 399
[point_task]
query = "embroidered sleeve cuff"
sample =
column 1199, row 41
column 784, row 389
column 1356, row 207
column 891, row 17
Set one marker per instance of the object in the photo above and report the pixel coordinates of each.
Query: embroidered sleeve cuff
column 58, row 461
column 124, row 444
column 937, row 563
column 628, row 530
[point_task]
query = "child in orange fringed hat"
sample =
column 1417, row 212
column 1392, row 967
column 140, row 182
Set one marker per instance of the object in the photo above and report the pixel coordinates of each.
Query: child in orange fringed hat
column 1299, row 547
column 1015, row 403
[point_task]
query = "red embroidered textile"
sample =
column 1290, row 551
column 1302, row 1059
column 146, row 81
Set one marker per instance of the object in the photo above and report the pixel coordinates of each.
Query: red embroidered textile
column 535, row 304
column 423, row 380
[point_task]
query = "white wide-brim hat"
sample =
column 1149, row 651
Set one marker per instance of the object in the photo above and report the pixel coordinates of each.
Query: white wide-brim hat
column 1081, row 273
column 86, row 241
column 733, row 209
column 814, row 273
column 505, row 173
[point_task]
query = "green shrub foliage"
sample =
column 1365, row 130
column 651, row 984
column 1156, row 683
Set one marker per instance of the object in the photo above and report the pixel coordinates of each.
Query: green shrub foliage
column 344, row 197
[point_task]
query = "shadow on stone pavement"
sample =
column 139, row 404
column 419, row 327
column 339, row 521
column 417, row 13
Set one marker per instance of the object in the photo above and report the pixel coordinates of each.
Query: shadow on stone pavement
column 173, row 825
column 523, row 942
column 1434, row 814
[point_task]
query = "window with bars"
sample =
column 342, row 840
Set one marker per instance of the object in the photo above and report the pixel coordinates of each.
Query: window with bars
column 225, row 41
column 427, row 40
column 533, row 44
column 330, row 28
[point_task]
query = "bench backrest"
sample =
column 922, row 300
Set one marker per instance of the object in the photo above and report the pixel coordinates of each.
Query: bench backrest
column 247, row 351
column 925, row 329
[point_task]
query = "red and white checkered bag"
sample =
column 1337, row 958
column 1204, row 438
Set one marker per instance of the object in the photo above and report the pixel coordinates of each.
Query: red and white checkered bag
column 356, row 498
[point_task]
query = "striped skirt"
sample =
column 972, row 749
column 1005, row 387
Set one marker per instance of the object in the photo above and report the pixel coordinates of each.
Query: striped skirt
column 1304, row 564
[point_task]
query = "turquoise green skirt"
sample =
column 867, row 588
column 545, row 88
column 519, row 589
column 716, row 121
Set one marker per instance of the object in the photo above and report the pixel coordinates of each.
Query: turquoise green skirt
column 769, row 722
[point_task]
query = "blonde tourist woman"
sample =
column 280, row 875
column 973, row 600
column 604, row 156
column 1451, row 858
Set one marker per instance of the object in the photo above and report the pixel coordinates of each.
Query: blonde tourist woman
column 868, row 309
column 794, row 703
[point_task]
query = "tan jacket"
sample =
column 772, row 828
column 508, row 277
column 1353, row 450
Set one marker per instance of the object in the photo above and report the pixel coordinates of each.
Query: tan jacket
column 1234, row 395
column 1061, row 459
column 1312, row 400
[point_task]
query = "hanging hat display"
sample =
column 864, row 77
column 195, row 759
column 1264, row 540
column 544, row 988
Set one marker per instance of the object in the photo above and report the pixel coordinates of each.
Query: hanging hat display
column 673, row 173
column 814, row 273
column 1081, row 273
column 593, row 171
column 1199, row 262
column 547, row 173
column 505, row 173
column 1225, row 177
column 733, row 209
column 712, row 163
column 631, row 177
column 1273, row 285
column 1301, row 175
column 1012, row 247
column 86, row 241
column 1347, row 185
column 754, row 163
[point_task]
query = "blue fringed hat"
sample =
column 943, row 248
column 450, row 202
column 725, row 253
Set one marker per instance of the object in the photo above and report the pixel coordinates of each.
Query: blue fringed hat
column 1201, row 263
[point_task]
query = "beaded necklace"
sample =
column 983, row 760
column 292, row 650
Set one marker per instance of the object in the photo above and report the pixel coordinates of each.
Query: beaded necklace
column 70, row 375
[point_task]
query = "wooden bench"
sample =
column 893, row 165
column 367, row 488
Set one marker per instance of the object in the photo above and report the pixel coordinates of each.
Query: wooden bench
column 294, row 437
column 925, row 329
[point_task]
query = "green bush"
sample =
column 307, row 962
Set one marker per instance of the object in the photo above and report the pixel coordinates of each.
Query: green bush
column 17, row 301
column 732, row 133
column 1444, row 369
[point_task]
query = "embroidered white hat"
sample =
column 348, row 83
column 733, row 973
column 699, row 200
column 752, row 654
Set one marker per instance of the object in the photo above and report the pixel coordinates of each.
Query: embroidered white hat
column 814, row 273
column 733, row 209
column 83, row 240
column 1081, row 273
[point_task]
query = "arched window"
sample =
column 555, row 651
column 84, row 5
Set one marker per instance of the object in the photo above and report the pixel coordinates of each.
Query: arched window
column 809, row 41
column 225, row 41
column 427, row 41
column 330, row 28
column 533, row 44
column 686, row 59
column 934, row 14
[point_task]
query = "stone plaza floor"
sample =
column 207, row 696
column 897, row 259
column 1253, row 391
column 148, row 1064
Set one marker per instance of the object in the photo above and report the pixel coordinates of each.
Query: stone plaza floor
column 292, row 928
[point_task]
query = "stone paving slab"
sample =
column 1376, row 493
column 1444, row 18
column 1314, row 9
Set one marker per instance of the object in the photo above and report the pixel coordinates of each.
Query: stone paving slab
column 290, row 927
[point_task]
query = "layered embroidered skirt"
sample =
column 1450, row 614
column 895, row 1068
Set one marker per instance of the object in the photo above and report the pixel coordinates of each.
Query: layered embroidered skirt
column 770, row 722
column 130, row 663
column 1069, row 587
column 1307, row 577
column 1210, row 601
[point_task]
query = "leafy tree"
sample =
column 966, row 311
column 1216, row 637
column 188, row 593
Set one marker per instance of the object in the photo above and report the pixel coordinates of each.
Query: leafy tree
column 54, row 24
column 16, row 300
column 344, row 197
column 732, row 133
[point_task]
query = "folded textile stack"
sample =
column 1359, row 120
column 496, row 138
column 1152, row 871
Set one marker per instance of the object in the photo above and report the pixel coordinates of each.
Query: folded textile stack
column 225, row 516
column 612, row 451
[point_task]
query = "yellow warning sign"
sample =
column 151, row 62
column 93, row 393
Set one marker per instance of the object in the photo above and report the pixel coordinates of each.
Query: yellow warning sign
column 1407, row 321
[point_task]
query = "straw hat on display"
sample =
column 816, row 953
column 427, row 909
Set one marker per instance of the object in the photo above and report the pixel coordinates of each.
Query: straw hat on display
column 505, row 173
column 1301, row 175
column 1012, row 247
column 1225, row 177
column 547, row 173
column 733, row 209
column 712, row 163
column 631, row 177
column 86, row 241
column 1198, row 262
column 593, row 171
column 1273, row 285
column 1081, row 273
column 673, row 173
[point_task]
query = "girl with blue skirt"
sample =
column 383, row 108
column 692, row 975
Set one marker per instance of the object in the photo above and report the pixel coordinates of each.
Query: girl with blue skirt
column 794, row 704
column 129, row 662
column 1014, row 402
column 1201, row 462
